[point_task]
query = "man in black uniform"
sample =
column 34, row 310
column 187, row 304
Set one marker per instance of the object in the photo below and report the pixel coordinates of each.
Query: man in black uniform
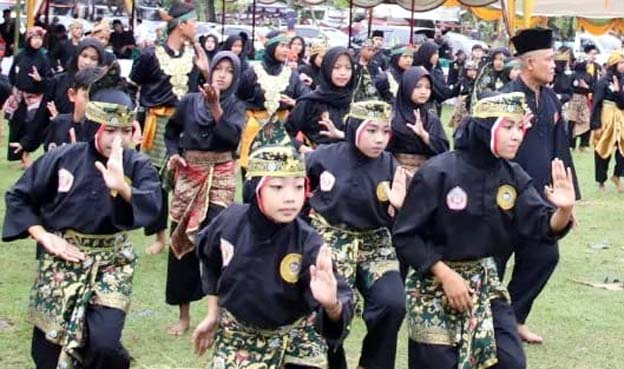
column 544, row 142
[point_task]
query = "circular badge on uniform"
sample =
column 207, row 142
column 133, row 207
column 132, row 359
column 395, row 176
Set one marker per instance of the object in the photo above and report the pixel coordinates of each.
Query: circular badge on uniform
column 327, row 181
column 290, row 267
column 382, row 188
column 506, row 197
column 457, row 199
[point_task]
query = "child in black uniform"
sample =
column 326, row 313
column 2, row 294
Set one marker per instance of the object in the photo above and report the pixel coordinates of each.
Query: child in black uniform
column 353, row 209
column 462, row 209
column 266, row 271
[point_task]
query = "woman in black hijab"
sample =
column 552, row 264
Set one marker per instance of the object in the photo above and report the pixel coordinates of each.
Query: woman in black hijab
column 210, row 44
column 417, row 134
column 270, row 90
column 201, row 138
column 236, row 44
column 318, row 116
column 492, row 77
column 311, row 71
column 428, row 56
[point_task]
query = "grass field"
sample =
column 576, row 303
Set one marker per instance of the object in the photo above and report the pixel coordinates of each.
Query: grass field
column 583, row 326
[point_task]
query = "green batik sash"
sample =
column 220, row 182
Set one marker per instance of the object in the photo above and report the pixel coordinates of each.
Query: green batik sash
column 239, row 345
column 432, row 321
column 63, row 290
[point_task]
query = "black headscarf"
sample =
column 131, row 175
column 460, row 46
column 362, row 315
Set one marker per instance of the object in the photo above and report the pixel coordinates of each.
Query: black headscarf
column 270, row 64
column 424, row 54
column 198, row 108
column 220, row 56
column 227, row 46
column 403, row 110
column 229, row 42
column 209, row 53
column 328, row 93
column 84, row 44
column 473, row 139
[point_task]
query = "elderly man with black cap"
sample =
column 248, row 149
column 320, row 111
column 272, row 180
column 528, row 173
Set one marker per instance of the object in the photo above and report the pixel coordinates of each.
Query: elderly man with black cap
column 547, row 140
column 166, row 73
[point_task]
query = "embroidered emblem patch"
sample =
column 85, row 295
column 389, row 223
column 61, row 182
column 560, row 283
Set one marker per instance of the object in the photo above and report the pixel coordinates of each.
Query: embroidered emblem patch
column 227, row 252
column 457, row 199
column 327, row 181
column 506, row 197
column 290, row 267
column 66, row 180
column 382, row 188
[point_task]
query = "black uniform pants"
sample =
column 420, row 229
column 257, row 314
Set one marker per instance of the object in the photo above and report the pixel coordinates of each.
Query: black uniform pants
column 602, row 166
column 509, row 348
column 534, row 263
column 184, row 283
column 103, row 349
column 384, row 309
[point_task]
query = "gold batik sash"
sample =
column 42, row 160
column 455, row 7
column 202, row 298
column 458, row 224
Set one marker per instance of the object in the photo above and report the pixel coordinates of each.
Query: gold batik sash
column 432, row 321
column 368, row 254
column 239, row 345
column 207, row 178
column 610, row 136
column 63, row 290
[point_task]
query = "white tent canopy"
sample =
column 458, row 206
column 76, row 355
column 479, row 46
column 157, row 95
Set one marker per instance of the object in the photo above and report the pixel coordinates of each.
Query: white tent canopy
column 595, row 9
column 444, row 14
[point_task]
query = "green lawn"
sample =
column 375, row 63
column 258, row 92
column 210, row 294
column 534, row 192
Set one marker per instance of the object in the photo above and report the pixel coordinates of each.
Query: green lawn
column 583, row 326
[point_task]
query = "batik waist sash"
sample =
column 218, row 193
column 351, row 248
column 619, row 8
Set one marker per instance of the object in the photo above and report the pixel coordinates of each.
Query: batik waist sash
column 207, row 178
column 241, row 345
column 431, row 320
column 63, row 290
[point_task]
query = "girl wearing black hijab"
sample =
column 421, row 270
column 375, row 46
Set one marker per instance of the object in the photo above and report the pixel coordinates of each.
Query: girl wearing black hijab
column 464, row 209
column 210, row 44
column 236, row 44
column 402, row 58
column 311, row 72
column 354, row 209
column 270, row 90
column 29, row 75
column 201, row 138
column 428, row 56
column 492, row 77
column 417, row 134
column 318, row 116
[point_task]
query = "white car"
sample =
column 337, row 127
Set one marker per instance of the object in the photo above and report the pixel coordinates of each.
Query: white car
column 457, row 41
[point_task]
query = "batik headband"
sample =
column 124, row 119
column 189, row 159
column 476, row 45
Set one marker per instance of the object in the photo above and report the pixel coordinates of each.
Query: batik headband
column 109, row 114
